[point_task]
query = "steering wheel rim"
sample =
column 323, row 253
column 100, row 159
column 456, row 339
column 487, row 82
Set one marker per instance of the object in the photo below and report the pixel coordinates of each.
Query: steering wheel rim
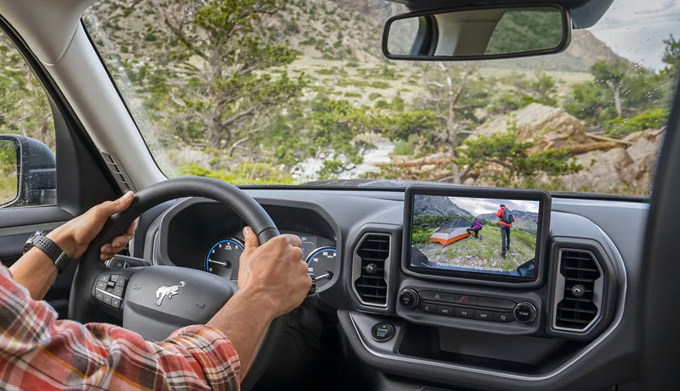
column 251, row 212
column 82, row 306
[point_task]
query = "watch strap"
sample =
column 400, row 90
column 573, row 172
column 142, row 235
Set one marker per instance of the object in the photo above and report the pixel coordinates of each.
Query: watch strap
column 51, row 249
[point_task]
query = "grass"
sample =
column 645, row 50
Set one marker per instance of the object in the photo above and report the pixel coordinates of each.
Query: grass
column 484, row 253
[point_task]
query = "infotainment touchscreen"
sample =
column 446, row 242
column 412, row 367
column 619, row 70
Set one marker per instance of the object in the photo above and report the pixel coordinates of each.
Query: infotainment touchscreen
column 489, row 237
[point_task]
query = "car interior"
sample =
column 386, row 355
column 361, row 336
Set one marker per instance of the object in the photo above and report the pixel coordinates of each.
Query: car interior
column 583, row 300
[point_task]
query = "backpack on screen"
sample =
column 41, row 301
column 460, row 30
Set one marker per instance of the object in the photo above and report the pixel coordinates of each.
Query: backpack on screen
column 507, row 217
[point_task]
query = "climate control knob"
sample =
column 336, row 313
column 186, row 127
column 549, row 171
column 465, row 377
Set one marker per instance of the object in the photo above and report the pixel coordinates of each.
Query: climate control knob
column 408, row 298
column 525, row 312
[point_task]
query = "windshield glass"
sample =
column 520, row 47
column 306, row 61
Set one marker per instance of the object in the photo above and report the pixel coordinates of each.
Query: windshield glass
column 286, row 92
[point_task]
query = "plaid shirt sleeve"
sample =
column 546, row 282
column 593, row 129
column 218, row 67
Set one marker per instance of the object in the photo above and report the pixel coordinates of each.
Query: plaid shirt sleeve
column 39, row 352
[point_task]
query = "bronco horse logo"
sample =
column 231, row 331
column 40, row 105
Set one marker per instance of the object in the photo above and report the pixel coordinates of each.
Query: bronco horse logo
column 167, row 291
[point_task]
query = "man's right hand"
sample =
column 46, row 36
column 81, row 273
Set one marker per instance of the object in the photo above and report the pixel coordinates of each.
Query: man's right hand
column 273, row 275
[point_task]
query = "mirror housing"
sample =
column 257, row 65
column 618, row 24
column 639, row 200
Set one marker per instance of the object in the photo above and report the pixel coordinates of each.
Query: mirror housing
column 477, row 33
column 36, row 172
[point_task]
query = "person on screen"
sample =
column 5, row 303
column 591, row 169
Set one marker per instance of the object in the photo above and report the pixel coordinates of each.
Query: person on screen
column 475, row 228
column 506, row 219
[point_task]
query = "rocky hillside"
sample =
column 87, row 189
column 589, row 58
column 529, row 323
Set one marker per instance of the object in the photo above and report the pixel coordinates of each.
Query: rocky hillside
column 438, row 206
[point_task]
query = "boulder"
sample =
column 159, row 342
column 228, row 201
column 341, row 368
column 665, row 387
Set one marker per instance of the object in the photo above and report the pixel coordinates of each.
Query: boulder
column 618, row 170
column 548, row 127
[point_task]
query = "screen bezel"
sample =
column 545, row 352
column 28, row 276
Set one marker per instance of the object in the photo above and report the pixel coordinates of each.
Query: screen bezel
column 471, row 277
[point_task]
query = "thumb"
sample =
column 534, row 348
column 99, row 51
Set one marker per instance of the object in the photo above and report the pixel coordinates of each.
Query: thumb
column 250, row 240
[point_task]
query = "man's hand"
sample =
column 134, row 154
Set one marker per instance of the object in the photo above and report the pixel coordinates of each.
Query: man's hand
column 76, row 235
column 273, row 280
column 274, row 274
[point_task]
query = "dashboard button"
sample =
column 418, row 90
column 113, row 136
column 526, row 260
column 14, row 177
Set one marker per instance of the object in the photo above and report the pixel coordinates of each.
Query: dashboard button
column 495, row 303
column 382, row 331
column 483, row 315
column 525, row 312
column 503, row 317
column 428, row 308
column 464, row 313
column 408, row 298
column 445, row 310
column 438, row 296
column 465, row 299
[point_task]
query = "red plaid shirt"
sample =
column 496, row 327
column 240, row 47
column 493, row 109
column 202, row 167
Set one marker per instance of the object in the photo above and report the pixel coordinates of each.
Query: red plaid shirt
column 39, row 352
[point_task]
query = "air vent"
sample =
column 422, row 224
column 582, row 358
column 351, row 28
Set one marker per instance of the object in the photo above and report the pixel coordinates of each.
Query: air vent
column 370, row 269
column 117, row 171
column 578, row 291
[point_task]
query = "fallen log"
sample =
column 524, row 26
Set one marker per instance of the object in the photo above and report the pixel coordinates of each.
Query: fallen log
column 609, row 139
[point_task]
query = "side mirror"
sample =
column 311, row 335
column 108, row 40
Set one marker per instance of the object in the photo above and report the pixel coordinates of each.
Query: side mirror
column 29, row 172
column 478, row 33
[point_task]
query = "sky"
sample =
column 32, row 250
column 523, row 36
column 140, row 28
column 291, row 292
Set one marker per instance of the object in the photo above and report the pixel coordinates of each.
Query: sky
column 479, row 206
column 635, row 29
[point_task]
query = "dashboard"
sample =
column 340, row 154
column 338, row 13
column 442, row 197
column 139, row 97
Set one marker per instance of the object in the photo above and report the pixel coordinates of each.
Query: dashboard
column 396, row 329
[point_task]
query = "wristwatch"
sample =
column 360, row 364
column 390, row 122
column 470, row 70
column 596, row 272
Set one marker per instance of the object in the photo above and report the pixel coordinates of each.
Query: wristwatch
column 41, row 241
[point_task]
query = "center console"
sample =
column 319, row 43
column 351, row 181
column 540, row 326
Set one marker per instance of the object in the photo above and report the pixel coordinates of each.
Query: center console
column 482, row 281
column 460, row 244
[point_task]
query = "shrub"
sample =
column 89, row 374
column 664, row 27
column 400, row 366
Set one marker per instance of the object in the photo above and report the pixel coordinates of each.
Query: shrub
column 650, row 119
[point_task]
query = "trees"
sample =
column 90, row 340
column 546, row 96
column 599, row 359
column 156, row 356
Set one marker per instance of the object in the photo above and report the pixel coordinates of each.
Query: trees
column 671, row 57
column 618, row 92
column 208, row 75
column 611, row 74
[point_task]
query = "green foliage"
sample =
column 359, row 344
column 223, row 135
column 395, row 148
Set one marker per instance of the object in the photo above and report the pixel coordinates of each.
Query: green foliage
column 244, row 174
column 650, row 119
column 405, row 148
column 526, row 30
column 8, row 172
column 514, row 159
column 207, row 85
column 619, row 89
column 326, row 129
column 671, row 57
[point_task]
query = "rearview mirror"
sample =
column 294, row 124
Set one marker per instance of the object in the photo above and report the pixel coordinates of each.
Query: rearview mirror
column 477, row 34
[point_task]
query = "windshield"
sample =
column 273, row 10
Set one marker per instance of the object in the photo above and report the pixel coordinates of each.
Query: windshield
column 281, row 92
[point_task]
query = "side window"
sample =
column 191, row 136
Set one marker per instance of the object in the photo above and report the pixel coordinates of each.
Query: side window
column 27, row 139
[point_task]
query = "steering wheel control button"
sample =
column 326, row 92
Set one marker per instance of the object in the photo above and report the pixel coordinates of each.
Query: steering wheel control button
column 503, row 317
column 525, row 312
column 464, row 313
column 408, row 298
column 109, row 289
column 382, row 332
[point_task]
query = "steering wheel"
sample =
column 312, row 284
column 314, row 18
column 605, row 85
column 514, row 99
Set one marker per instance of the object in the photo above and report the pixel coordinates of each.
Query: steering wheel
column 156, row 300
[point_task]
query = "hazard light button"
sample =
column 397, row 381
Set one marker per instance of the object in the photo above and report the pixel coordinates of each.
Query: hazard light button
column 466, row 300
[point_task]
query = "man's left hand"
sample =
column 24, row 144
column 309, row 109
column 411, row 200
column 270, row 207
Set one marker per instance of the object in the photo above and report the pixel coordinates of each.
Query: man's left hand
column 76, row 235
